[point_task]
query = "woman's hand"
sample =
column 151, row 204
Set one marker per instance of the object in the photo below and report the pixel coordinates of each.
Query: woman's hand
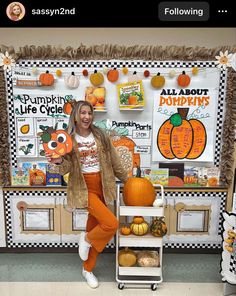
column 53, row 160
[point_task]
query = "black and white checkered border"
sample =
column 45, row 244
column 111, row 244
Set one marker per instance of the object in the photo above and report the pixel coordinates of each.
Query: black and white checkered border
column 110, row 64
column 11, row 244
column 114, row 63
column 219, row 123
column 232, row 263
column 222, row 195
column 11, row 118
column 192, row 245
column 41, row 193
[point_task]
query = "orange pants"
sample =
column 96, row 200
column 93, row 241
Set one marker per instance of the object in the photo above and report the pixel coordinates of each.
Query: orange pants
column 101, row 224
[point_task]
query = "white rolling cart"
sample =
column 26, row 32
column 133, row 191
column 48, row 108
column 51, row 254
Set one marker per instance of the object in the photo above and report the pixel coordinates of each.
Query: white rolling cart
column 139, row 275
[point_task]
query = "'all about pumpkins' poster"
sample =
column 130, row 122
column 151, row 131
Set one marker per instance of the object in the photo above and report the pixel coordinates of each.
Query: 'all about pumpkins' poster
column 184, row 124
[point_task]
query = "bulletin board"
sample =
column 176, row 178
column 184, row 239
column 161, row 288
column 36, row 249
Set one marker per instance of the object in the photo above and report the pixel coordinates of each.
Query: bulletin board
column 32, row 106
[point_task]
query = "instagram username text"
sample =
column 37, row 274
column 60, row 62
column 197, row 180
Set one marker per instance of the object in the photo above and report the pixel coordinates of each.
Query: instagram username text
column 52, row 12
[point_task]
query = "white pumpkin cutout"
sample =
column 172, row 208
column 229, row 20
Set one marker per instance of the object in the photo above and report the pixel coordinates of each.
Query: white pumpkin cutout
column 72, row 81
column 134, row 77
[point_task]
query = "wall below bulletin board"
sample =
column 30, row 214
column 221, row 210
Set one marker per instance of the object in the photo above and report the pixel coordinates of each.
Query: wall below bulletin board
column 172, row 118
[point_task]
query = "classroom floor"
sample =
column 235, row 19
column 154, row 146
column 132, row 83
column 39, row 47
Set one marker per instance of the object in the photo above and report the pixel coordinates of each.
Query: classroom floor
column 30, row 274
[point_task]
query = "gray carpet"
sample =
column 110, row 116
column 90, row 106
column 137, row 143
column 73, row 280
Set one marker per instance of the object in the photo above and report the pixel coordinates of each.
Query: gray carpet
column 66, row 267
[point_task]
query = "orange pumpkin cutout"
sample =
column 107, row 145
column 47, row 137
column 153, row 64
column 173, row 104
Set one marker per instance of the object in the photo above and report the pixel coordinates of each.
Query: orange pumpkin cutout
column 183, row 80
column 181, row 138
column 67, row 108
column 125, row 148
column 113, row 75
column 56, row 142
column 46, row 79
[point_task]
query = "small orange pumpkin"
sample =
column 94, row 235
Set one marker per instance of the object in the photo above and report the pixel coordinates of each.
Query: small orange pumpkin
column 125, row 230
column 46, row 79
column 113, row 75
column 138, row 191
column 67, row 108
column 138, row 219
column 96, row 78
column 183, row 79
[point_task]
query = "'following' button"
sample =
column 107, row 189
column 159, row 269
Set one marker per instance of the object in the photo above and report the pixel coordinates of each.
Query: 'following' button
column 183, row 11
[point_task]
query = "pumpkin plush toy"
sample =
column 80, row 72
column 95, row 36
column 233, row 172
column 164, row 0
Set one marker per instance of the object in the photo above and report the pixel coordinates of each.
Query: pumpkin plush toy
column 55, row 142
column 46, row 79
column 71, row 80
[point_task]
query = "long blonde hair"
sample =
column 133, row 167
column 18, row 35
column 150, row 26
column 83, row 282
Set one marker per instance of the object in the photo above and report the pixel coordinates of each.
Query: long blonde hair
column 75, row 119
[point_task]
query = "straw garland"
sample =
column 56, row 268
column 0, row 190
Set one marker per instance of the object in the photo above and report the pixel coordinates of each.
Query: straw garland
column 4, row 144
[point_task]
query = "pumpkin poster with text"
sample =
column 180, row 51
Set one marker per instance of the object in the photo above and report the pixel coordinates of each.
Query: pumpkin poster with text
column 184, row 124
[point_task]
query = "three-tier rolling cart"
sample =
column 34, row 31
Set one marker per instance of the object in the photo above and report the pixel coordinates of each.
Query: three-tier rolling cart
column 140, row 276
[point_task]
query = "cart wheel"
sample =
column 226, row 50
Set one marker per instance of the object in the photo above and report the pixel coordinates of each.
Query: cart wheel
column 154, row 287
column 121, row 286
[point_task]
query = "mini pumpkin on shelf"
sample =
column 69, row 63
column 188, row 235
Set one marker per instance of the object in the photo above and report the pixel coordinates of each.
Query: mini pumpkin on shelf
column 125, row 230
column 139, row 226
column 158, row 227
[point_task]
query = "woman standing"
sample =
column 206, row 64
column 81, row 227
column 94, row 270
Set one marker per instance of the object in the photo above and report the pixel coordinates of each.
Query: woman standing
column 92, row 165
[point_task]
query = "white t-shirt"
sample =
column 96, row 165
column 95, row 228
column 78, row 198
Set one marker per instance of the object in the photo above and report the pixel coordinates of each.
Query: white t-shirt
column 88, row 153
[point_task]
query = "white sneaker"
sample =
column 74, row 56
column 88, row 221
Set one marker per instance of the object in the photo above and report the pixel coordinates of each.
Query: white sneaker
column 90, row 278
column 83, row 247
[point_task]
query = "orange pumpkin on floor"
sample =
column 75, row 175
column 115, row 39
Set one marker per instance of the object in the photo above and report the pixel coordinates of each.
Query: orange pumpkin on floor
column 181, row 138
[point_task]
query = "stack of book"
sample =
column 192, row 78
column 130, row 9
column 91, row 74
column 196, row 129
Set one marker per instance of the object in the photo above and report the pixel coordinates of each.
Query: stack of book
column 34, row 174
column 175, row 174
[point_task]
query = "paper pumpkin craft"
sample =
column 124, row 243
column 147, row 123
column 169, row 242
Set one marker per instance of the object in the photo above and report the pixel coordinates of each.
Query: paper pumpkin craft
column 55, row 142
column 181, row 138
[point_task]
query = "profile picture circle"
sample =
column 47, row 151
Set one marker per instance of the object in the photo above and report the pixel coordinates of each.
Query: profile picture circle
column 15, row 11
